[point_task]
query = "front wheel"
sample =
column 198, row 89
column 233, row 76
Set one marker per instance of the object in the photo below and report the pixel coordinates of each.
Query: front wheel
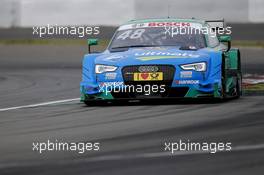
column 95, row 102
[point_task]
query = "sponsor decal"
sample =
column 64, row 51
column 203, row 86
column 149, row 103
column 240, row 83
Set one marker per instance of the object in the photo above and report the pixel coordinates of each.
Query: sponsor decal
column 186, row 74
column 114, row 83
column 149, row 58
column 154, row 76
column 110, row 76
column 159, row 24
column 162, row 53
column 171, row 24
column 187, row 81
column 138, row 25
column 157, row 55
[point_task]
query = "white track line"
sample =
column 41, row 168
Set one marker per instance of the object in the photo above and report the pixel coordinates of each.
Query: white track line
column 39, row 104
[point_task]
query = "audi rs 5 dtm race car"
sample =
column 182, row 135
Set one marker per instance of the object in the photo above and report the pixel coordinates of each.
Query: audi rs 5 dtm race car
column 163, row 58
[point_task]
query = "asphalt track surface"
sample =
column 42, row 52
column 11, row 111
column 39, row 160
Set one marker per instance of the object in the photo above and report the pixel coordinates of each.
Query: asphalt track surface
column 131, row 135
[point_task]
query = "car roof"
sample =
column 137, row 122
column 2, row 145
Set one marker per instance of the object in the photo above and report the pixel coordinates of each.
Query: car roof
column 191, row 20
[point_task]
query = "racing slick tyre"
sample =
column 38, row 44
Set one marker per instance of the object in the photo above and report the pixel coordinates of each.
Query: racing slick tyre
column 223, row 79
column 239, row 79
column 95, row 103
column 223, row 91
column 238, row 87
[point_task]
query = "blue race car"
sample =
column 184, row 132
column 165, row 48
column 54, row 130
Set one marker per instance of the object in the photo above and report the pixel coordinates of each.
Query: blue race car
column 163, row 58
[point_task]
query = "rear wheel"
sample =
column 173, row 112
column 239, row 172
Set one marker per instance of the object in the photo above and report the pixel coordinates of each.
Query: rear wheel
column 239, row 78
column 223, row 90
column 238, row 87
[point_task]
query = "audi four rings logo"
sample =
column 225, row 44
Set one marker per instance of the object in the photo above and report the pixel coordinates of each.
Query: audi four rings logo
column 148, row 69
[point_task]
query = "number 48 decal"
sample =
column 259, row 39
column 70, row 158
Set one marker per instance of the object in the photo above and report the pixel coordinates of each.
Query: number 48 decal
column 131, row 34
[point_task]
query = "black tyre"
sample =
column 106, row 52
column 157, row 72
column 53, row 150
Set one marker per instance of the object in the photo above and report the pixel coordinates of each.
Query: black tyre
column 238, row 87
column 95, row 102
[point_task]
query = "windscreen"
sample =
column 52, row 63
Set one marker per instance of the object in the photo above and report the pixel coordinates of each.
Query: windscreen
column 157, row 36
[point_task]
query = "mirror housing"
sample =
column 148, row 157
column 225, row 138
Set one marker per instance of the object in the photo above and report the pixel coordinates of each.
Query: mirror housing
column 226, row 39
column 91, row 42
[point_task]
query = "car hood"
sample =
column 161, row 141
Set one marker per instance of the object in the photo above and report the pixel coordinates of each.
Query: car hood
column 161, row 55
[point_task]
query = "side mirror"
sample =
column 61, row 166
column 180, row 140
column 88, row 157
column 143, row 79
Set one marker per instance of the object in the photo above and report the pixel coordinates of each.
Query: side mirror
column 226, row 39
column 91, row 42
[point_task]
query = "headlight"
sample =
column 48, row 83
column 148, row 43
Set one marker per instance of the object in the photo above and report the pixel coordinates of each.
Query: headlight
column 200, row 67
column 104, row 68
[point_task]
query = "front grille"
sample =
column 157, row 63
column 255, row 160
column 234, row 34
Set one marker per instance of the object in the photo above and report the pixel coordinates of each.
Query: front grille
column 168, row 75
column 168, row 72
